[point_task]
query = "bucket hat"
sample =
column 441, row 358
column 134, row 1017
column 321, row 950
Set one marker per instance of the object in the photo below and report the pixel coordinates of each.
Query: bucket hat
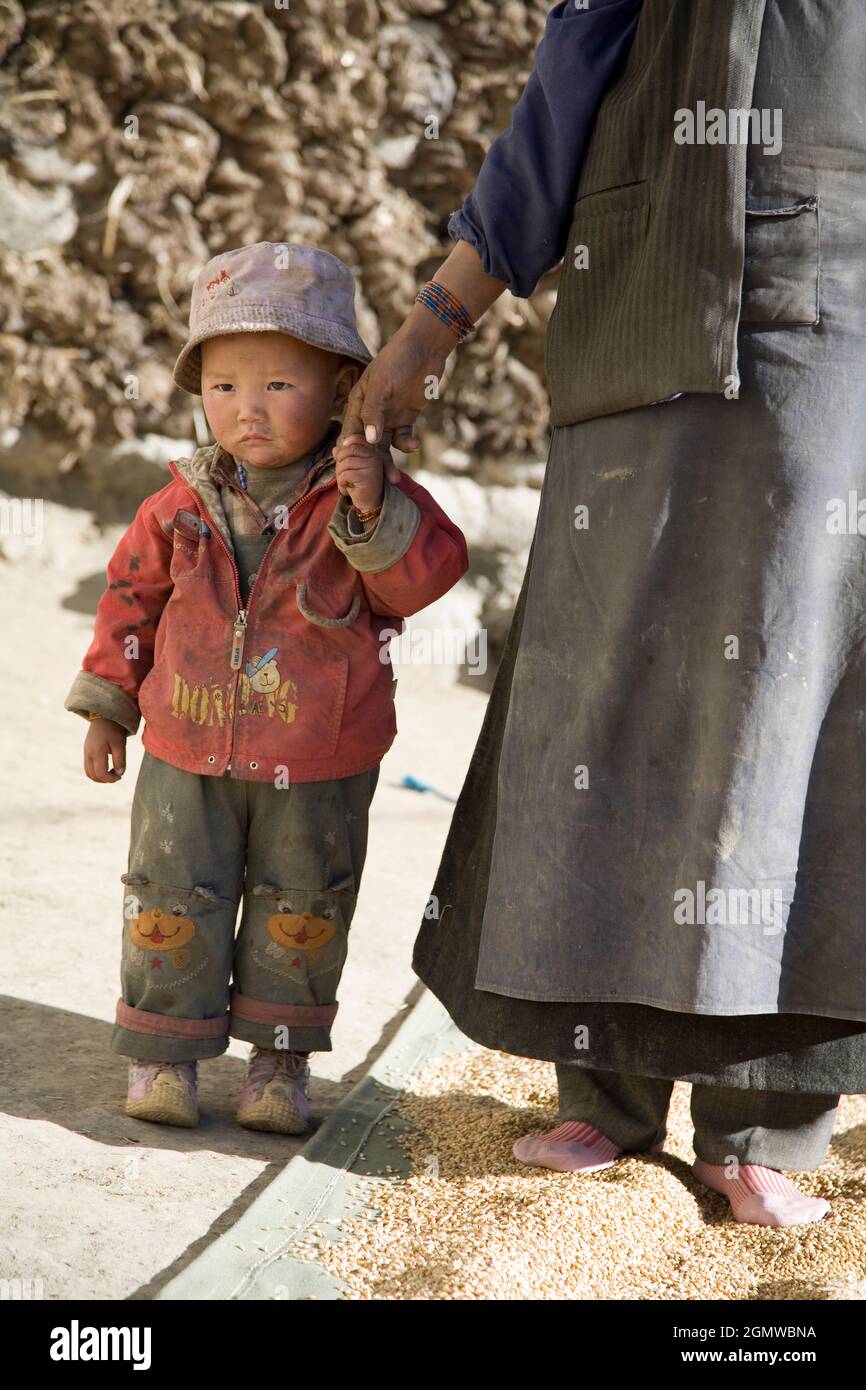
column 272, row 287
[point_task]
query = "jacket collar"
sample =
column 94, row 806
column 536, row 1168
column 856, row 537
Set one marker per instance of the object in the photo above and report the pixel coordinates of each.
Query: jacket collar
column 203, row 468
column 223, row 466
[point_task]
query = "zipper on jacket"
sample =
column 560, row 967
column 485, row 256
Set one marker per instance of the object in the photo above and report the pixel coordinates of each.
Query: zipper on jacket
column 244, row 611
column 240, row 622
column 238, row 638
column 240, row 625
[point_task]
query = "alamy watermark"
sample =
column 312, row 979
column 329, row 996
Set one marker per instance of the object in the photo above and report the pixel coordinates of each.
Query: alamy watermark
column 425, row 646
column 734, row 127
column 22, row 516
column 730, row 907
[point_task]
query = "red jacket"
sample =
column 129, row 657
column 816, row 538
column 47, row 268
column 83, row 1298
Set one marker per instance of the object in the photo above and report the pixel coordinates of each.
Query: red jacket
column 292, row 686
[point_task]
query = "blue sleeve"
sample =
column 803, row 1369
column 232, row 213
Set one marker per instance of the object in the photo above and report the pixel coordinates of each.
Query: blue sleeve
column 519, row 212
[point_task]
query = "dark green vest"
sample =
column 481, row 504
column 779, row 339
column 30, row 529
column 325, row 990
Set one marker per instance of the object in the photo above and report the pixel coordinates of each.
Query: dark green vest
column 656, row 310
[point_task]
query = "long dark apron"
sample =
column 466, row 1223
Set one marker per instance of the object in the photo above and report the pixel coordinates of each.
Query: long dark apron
column 710, row 519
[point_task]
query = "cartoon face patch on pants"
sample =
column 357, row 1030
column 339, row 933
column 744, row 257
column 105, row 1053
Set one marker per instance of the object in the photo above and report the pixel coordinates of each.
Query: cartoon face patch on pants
column 158, row 930
column 166, row 936
column 296, row 933
column 309, row 932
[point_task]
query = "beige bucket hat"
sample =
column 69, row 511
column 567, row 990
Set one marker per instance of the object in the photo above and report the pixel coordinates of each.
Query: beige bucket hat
column 277, row 287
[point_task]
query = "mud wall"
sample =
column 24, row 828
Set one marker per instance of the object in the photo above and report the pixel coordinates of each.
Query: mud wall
column 140, row 137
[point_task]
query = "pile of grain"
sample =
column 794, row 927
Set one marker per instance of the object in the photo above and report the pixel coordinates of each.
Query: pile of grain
column 473, row 1223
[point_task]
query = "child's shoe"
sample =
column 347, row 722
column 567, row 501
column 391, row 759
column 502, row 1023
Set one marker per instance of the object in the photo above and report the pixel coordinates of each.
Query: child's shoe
column 275, row 1092
column 166, row 1092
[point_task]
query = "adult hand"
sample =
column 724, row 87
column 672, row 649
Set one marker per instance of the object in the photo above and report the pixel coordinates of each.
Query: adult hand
column 391, row 392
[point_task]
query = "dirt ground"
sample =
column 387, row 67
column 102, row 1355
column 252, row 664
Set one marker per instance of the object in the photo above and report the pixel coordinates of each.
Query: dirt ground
column 93, row 1204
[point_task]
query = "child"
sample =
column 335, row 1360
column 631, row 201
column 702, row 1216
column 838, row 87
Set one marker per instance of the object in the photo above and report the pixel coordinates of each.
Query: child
column 242, row 620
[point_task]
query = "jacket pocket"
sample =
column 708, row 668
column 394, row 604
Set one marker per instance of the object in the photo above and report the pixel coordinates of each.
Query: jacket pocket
column 299, row 712
column 782, row 265
column 329, row 595
column 188, row 532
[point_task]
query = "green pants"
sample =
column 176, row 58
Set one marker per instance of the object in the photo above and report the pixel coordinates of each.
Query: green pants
column 202, row 846
column 778, row 1129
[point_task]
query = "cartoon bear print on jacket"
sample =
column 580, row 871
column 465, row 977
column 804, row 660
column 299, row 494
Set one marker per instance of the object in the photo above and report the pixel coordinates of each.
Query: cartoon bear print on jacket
column 264, row 673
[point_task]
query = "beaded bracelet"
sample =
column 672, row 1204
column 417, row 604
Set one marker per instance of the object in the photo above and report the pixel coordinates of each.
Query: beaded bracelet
column 367, row 516
column 447, row 307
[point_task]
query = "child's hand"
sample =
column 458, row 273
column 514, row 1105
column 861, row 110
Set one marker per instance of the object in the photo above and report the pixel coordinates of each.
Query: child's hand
column 361, row 469
column 104, row 737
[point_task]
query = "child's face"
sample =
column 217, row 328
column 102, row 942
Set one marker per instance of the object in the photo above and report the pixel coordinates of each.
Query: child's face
column 269, row 397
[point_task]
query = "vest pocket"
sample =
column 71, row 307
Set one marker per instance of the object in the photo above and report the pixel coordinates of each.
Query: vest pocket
column 625, row 197
column 602, row 284
column 781, row 268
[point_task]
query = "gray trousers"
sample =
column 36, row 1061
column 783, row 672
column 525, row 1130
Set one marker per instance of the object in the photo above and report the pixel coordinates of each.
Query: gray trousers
column 201, row 847
column 778, row 1129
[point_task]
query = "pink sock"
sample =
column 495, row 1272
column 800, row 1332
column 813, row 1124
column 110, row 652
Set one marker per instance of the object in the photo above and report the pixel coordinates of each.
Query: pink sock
column 762, row 1196
column 570, row 1147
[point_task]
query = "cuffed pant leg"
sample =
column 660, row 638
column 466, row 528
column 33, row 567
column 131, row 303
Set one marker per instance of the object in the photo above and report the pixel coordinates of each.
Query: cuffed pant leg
column 160, row 1037
column 630, row 1110
column 305, row 856
column 776, row 1129
column 181, row 894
